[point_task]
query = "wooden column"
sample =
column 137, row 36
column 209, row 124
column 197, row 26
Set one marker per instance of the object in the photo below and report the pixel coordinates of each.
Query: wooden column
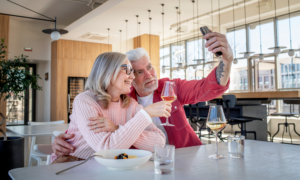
column 70, row 59
column 151, row 44
column 4, row 32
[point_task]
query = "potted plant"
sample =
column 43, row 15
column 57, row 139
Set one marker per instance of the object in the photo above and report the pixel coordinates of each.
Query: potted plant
column 14, row 80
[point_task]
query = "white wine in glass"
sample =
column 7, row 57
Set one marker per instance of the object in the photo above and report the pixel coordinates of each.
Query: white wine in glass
column 216, row 122
column 168, row 94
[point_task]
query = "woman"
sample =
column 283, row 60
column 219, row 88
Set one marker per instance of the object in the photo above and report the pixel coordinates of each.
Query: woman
column 105, row 95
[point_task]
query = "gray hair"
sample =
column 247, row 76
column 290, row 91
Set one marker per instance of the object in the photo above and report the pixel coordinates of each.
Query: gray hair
column 105, row 69
column 136, row 54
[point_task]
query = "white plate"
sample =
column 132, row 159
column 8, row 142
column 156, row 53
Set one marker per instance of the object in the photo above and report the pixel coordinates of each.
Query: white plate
column 122, row 164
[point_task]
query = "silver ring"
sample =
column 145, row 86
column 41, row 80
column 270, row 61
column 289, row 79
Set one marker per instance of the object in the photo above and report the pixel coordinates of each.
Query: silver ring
column 96, row 126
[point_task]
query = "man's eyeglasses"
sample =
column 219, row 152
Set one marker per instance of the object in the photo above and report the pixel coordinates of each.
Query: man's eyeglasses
column 128, row 68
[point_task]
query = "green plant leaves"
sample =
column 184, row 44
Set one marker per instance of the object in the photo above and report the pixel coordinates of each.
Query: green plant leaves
column 14, row 79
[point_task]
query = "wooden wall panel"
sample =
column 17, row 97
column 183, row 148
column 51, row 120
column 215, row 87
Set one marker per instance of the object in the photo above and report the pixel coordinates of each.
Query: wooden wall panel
column 70, row 59
column 4, row 34
column 151, row 44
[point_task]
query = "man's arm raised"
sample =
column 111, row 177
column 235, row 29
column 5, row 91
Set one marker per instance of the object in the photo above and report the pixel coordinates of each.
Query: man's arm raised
column 218, row 42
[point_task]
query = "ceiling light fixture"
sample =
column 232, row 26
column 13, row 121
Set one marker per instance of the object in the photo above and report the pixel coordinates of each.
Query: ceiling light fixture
column 260, row 55
column 108, row 40
column 199, row 61
column 54, row 33
column 276, row 48
column 120, row 40
column 291, row 51
column 149, row 33
column 235, row 61
column 247, row 53
column 126, row 33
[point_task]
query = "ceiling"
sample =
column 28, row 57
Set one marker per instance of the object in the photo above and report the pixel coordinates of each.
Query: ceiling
column 79, row 19
column 66, row 11
column 113, row 14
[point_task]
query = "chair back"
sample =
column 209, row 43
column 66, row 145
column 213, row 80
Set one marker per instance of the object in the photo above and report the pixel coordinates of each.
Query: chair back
column 201, row 104
column 229, row 100
column 294, row 101
column 44, row 123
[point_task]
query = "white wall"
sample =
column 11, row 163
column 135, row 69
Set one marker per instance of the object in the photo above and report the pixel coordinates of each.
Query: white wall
column 28, row 33
column 125, row 46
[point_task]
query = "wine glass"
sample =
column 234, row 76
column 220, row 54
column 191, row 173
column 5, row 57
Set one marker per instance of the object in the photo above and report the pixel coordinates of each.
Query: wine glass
column 168, row 94
column 216, row 122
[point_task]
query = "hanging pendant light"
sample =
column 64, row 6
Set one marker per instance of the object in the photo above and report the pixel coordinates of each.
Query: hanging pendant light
column 277, row 49
column 235, row 60
column 149, row 32
column 163, row 32
column 194, row 65
column 137, row 30
column 55, row 33
column 180, row 64
column 199, row 61
column 120, row 40
column 260, row 55
column 126, row 33
column 220, row 58
column 107, row 39
column 247, row 53
column 291, row 51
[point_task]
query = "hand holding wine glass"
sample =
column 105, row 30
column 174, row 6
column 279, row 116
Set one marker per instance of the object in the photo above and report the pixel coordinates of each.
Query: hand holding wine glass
column 169, row 95
column 216, row 122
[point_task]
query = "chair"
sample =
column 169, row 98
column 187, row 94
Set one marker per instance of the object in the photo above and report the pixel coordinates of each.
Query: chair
column 229, row 101
column 40, row 151
column 286, row 124
column 268, row 102
column 195, row 116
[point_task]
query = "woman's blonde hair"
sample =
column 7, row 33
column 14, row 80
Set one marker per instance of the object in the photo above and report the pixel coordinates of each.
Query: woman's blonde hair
column 106, row 69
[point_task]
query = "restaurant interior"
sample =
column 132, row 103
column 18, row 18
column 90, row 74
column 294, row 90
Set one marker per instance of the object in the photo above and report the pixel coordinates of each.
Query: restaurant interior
column 54, row 44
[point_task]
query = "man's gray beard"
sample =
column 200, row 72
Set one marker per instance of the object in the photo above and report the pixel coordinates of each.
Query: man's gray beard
column 145, row 89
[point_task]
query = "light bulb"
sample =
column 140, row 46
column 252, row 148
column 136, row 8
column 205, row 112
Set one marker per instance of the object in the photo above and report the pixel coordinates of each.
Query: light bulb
column 277, row 51
column 194, row 66
column 291, row 52
column 246, row 55
column 178, row 68
column 163, row 71
column 235, row 61
column 163, row 68
column 180, row 65
column 198, row 62
column 261, row 57
column 55, row 35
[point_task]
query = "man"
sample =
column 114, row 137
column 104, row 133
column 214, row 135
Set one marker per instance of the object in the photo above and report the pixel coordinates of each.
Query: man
column 147, row 90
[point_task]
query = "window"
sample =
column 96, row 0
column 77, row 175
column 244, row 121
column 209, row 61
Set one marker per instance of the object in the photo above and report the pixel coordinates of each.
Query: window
column 260, row 80
column 194, row 52
column 240, row 40
column 178, row 56
column 165, row 60
column 266, row 80
column 267, row 36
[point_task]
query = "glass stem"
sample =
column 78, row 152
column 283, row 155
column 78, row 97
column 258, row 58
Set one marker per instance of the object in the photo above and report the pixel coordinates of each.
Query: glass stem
column 167, row 121
column 216, row 143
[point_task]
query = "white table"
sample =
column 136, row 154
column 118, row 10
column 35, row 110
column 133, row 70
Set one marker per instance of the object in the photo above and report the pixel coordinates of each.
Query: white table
column 38, row 130
column 263, row 160
column 35, row 131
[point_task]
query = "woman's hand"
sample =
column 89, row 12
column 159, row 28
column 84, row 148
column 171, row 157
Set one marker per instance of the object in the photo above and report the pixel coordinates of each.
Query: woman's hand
column 159, row 109
column 102, row 124
column 60, row 146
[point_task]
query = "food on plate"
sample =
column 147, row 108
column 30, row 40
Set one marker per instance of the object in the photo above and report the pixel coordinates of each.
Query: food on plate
column 125, row 156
